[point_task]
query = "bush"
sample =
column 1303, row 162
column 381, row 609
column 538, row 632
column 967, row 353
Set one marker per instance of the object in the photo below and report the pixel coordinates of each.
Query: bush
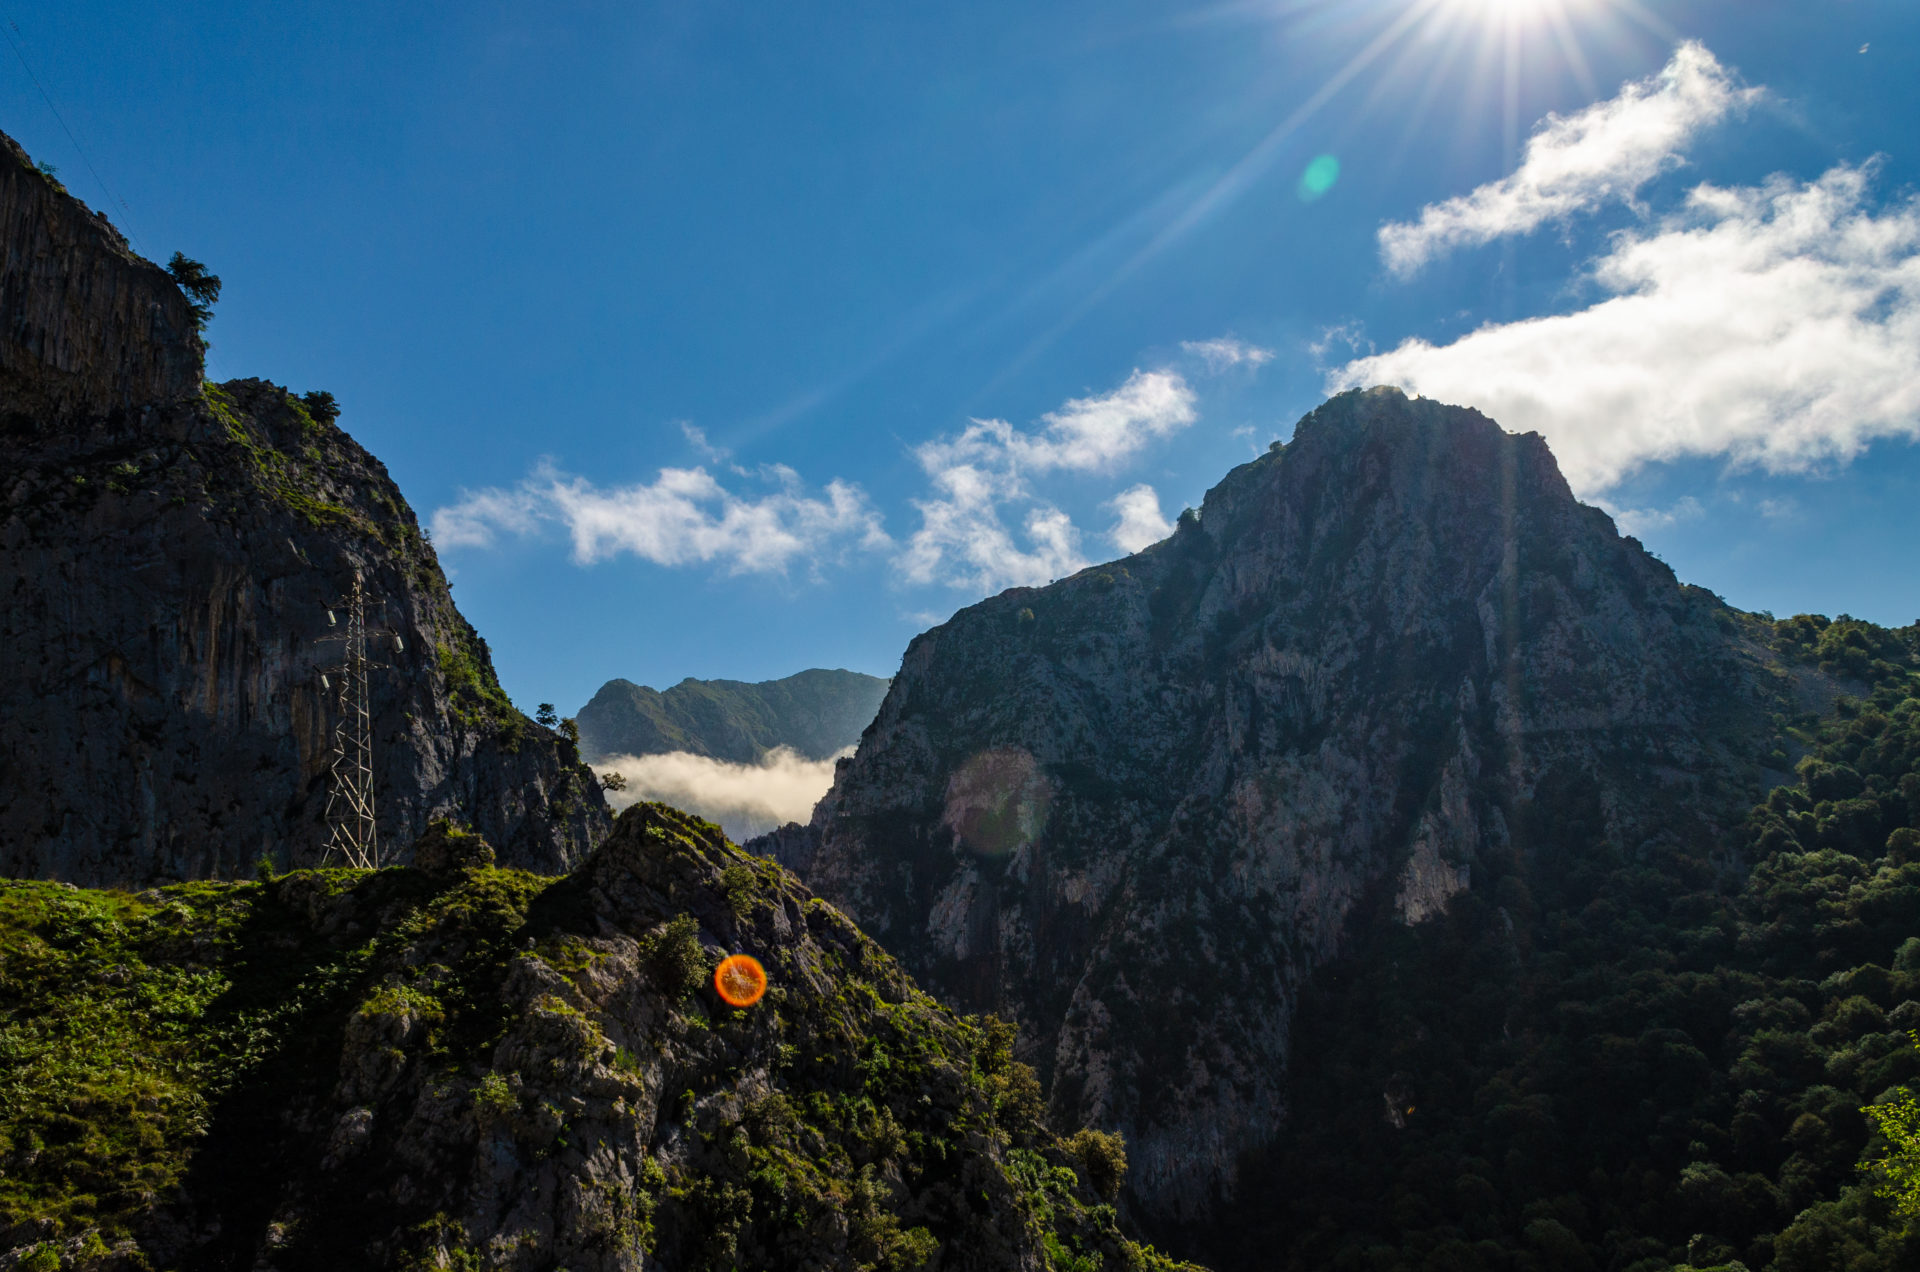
column 1104, row 1156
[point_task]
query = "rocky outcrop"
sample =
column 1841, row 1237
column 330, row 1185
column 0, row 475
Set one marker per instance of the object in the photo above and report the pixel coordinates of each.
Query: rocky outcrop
column 86, row 326
column 478, row 1068
column 815, row 712
column 173, row 561
column 1136, row 809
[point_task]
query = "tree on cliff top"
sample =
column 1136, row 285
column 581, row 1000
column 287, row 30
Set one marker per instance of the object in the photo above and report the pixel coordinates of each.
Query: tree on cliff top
column 202, row 288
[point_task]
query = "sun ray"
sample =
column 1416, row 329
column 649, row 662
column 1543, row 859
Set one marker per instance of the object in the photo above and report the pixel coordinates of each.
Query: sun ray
column 1562, row 27
column 1230, row 184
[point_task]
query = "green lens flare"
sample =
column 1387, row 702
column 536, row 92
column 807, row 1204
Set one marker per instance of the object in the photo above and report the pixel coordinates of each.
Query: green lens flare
column 1319, row 177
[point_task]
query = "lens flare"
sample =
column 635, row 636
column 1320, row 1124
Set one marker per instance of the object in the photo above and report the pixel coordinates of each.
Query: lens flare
column 1318, row 178
column 740, row 980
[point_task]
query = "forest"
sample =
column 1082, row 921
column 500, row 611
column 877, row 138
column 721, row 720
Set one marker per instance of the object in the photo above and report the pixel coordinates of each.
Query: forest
column 1632, row 1057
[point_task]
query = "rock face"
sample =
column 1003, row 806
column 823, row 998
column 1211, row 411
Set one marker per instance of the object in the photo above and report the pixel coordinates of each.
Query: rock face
column 169, row 555
column 482, row 1068
column 816, row 712
column 86, row 326
column 1135, row 809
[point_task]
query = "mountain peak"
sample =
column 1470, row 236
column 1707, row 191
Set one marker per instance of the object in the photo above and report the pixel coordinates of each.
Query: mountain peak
column 1388, row 655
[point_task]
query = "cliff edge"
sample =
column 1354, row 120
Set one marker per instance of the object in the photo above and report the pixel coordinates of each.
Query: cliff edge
column 173, row 558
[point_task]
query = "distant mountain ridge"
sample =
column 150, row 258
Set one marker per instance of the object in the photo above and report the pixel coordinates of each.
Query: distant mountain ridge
column 815, row 712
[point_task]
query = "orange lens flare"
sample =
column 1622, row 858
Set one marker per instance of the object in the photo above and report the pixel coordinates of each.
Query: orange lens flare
column 740, row 980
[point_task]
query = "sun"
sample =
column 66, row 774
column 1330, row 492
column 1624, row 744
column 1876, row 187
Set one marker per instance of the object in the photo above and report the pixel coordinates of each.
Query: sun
column 1506, row 10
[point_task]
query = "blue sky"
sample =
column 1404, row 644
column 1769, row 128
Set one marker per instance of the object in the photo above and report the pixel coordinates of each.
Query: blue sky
column 725, row 339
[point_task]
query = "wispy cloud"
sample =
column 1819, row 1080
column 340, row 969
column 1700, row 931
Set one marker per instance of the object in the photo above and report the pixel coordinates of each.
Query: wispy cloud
column 1090, row 434
column 1643, row 520
column 963, row 539
column 683, row 517
column 1606, row 152
column 1774, row 325
column 1140, row 522
column 697, row 439
column 983, row 525
column 1222, row 352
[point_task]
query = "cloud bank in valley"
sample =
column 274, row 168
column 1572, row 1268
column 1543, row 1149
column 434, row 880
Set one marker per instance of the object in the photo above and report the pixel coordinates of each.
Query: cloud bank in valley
column 745, row 799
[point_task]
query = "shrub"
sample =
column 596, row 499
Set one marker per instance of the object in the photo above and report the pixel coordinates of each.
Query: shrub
column 1104, row 1156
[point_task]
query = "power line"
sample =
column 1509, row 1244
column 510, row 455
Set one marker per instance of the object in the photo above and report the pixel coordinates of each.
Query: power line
column 13, row 41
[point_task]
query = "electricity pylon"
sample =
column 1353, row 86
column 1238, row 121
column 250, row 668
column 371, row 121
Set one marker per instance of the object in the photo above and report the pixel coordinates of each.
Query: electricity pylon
column 350, row 784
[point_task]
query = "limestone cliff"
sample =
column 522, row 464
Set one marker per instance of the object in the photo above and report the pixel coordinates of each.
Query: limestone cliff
column 169, row 554
column 1136, row 809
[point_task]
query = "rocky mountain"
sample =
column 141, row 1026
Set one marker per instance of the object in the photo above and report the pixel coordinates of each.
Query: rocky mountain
column 1385, row 667
column 816, row 713
column 170, row 552
column 458, row 1066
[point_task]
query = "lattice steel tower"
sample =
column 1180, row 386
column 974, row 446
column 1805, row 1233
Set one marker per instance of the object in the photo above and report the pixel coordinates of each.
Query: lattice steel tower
column 350, row 785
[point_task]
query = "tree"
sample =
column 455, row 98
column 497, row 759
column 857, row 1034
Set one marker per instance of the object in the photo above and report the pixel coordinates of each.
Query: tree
column 321, row 406
column 544, row 714
column 1898, row 1120
column 201, row 287
column 613, row 781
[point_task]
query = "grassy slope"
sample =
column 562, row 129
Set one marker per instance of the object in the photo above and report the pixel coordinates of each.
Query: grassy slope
column 155, row 1048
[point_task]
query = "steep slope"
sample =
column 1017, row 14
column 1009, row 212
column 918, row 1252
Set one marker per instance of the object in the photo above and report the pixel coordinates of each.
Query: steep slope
column 816, row 712
column 1136, row 809
column 169, row 553
column 460, row 1066
column 1623, row 1059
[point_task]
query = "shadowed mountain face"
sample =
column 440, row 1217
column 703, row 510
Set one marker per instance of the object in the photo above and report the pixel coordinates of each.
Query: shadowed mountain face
column 815, row 712
column 1136, row 809
column 169, row 554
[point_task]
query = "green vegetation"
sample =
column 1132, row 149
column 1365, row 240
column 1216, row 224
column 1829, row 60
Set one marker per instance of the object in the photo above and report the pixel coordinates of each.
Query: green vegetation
column 472, row 686
column 1637, row 1056
column 200, row 286
column 210, row 1049
column 1898, row 1123
column 285, row 477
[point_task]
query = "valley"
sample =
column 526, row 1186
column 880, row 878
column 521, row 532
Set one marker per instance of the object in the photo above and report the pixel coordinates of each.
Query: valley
column 1392, row 866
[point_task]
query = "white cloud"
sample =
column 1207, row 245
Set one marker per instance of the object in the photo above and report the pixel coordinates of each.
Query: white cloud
column 1140, row 523
column 982, row 526
column 697, row 439
column 1091, row 434
column 1640, row 521
column 963, row 540
column 1605, row 152
column 745, row 799
column 1224, row 351
column 1776, row 325
column 683, row 517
